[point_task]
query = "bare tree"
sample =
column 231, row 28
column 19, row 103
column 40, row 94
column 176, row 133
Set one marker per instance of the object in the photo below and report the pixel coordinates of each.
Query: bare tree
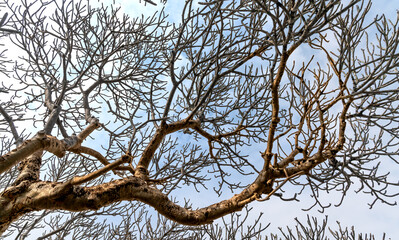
column 172, row 107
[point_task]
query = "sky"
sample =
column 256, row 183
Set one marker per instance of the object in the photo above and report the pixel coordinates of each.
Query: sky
column 353, row 212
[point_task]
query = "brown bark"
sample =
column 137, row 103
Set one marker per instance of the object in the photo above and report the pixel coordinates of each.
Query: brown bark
column 65, row 196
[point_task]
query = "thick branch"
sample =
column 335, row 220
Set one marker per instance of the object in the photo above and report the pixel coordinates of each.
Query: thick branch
column 41, row 141
column 24, row 150
column 148, row 153
column 267, row 155
column 41, row 196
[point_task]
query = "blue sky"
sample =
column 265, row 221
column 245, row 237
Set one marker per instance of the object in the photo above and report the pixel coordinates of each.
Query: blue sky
column 354, row 211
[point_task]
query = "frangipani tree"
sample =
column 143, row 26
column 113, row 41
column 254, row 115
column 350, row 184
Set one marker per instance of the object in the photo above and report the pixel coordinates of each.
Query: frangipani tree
column 185, row 105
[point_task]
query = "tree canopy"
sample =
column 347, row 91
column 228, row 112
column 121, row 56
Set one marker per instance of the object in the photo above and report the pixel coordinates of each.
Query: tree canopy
column 105, row 114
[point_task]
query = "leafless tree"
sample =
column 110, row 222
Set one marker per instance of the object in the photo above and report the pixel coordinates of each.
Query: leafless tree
column 105, row 114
